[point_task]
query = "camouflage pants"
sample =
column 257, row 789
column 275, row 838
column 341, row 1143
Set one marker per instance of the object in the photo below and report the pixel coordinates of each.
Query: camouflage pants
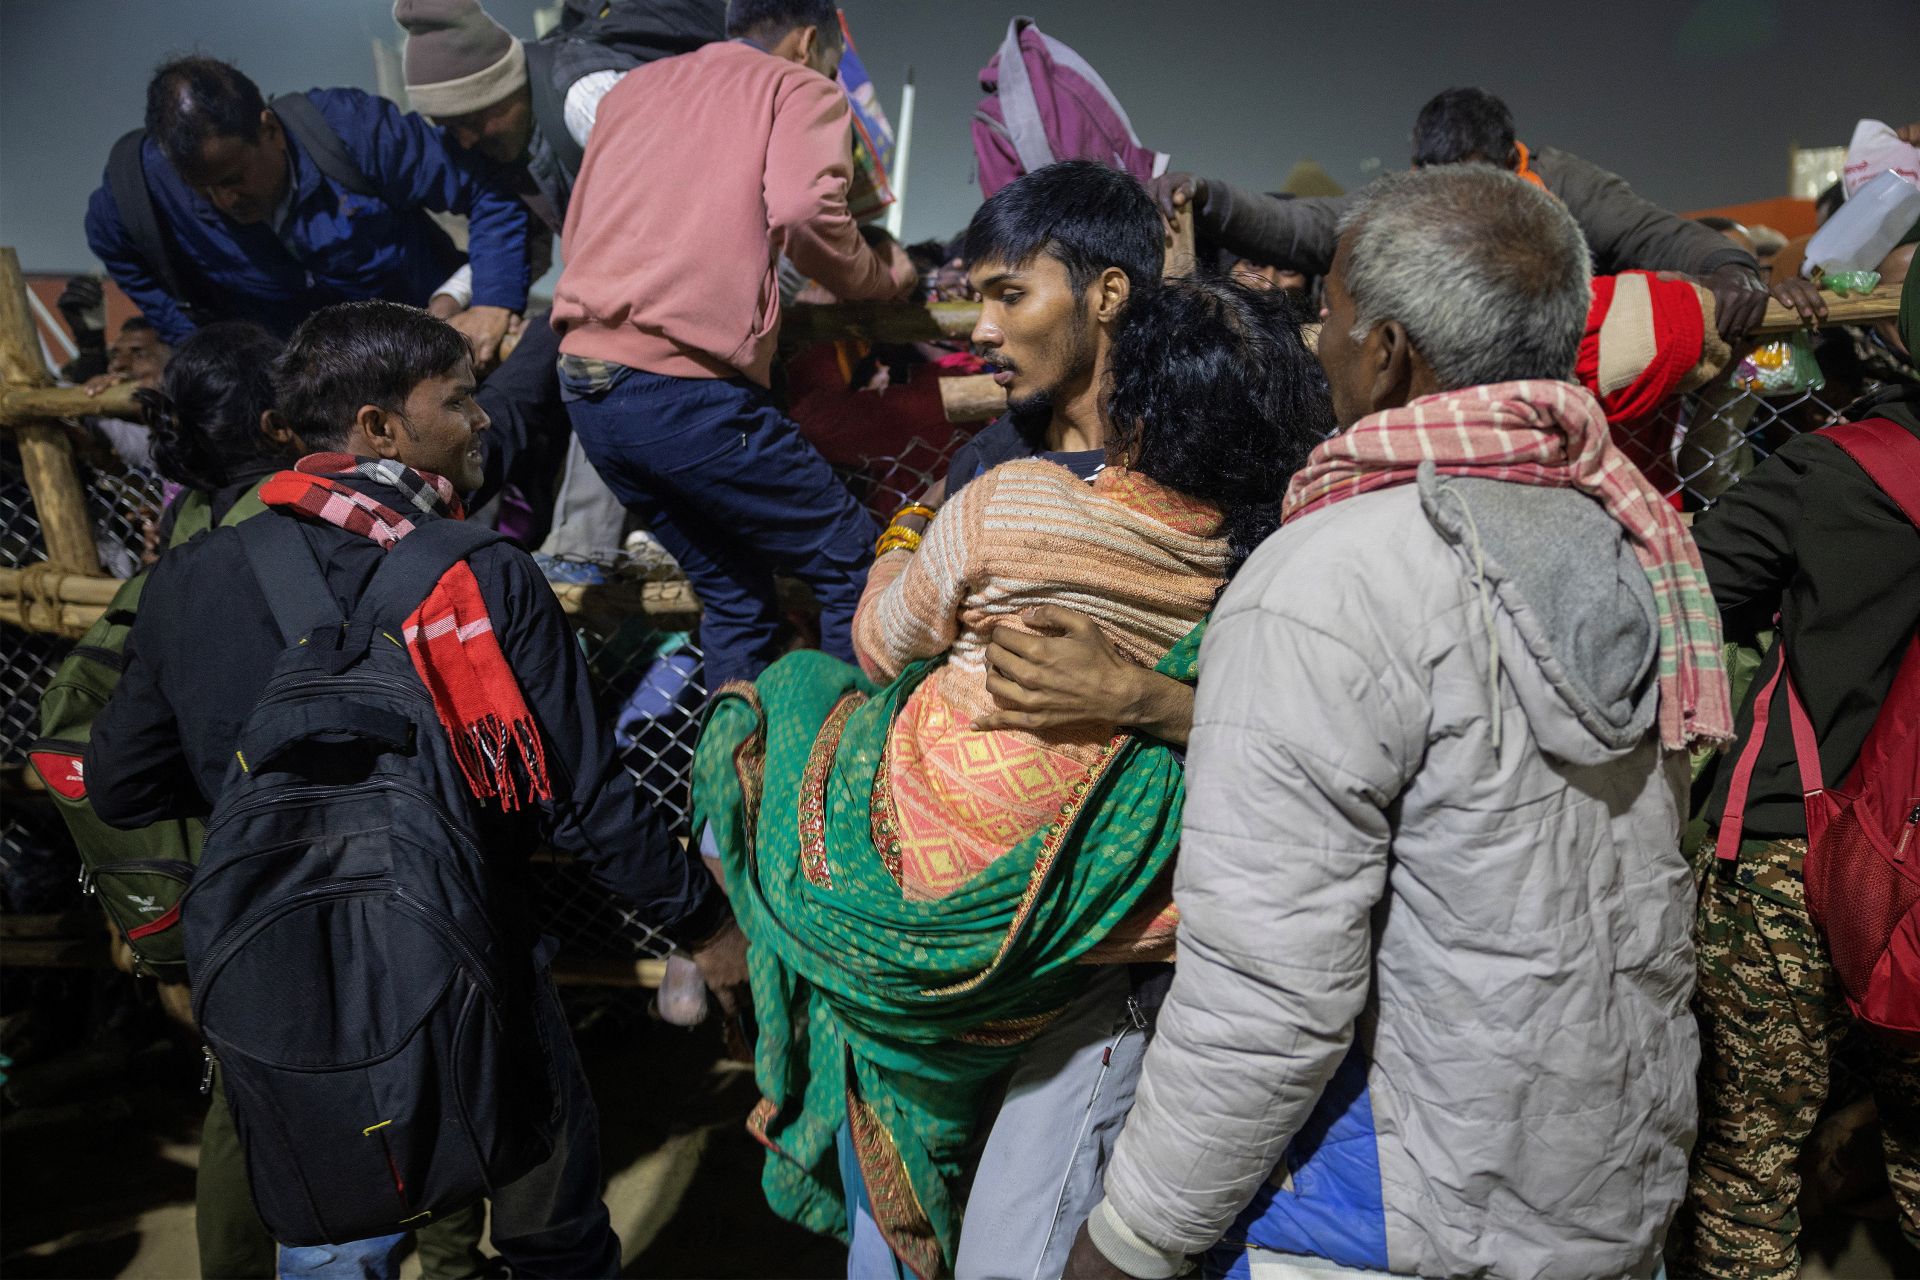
column 1771, row 1013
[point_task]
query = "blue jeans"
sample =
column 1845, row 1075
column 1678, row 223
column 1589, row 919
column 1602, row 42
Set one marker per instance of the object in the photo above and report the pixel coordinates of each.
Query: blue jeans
column 728, row 485
column 375, row 1259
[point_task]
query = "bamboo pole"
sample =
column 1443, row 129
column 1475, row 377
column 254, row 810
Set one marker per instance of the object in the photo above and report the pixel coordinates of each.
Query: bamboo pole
column 20, row 405
column 45, row 455
column 972, row 397
column 878, row 322
column 929, row 321
column 45, row 599
column 607, row 971
column 1882, row 304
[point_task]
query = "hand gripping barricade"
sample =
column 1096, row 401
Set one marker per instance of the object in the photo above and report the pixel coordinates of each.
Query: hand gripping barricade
column 1862, row 866
column 374, row 1025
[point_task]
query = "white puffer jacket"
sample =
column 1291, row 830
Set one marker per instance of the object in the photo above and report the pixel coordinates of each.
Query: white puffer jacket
column 1430, row 1011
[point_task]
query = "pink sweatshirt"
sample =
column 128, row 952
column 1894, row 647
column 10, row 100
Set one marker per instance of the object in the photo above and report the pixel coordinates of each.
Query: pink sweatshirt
column 703, row 169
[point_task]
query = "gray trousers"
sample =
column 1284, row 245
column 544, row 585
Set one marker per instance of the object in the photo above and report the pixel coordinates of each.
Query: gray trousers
column 1040, row 1174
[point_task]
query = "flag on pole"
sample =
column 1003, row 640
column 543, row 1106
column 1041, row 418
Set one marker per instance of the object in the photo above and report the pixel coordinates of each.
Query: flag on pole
column 871, row 192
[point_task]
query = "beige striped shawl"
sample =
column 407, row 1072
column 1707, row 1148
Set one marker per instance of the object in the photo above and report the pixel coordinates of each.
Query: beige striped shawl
column 1144, row 562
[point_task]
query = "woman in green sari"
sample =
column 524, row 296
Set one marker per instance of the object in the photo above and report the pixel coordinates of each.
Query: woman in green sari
column 922, row 898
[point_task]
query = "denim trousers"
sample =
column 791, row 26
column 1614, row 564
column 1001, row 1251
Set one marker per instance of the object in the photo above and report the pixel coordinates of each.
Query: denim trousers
column 1040, row 1173
column 729, row 486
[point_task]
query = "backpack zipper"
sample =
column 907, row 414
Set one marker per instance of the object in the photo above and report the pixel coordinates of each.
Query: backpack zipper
column 450, row 933
column 206, row 1072
column 95, row 653
column 243, row 930
column 173, row 867
column 280, row 796
column 1906, row 836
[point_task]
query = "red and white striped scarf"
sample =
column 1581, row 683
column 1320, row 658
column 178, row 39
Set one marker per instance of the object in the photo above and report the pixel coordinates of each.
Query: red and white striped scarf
column 1553, row 434
column 449, row 637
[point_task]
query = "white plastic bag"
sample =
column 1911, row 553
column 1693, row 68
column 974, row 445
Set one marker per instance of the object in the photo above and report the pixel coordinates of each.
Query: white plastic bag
column 1877, row 149
column 1866, row 228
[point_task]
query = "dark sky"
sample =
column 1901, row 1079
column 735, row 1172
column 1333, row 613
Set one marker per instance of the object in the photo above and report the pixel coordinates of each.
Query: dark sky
column 1694, row 101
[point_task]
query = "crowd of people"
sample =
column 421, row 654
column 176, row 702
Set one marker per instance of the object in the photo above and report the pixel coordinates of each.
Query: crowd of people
column 1294, row 798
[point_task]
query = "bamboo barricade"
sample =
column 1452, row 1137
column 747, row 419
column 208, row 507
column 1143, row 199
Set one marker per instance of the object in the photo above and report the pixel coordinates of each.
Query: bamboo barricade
column 68, row 593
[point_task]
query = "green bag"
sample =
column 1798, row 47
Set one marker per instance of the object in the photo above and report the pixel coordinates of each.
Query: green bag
column 138, row 875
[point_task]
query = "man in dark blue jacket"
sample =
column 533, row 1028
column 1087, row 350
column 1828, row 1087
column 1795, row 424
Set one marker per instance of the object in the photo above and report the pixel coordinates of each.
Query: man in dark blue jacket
column 256, row 225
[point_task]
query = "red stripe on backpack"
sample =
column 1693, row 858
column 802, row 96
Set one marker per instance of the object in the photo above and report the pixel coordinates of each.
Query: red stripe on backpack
column 1862, row 867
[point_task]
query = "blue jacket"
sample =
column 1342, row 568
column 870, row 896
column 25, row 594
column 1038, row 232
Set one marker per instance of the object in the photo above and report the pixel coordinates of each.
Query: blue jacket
column 350, row 246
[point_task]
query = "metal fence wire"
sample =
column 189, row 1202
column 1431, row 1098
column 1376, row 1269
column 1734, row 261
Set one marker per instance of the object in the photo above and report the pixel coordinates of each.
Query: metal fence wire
column 651, row 681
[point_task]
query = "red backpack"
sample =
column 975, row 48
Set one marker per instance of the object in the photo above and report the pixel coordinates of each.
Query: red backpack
column 1862, row 867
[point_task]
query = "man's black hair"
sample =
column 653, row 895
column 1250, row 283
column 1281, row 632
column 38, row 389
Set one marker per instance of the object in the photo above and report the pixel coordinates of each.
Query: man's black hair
column 1212, row 392
column 191, row 101
column 769, row 20
column 206, row 419
column 359, row 353
column 137, row 324
column 1464, row 124
column 1083, row 214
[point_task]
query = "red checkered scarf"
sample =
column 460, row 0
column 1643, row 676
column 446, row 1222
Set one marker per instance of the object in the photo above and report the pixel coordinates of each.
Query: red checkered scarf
column 449, row 637
column 1554, row 434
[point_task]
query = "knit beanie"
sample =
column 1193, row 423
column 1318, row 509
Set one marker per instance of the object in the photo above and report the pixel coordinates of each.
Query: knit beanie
column 1647, row 339
column 458, row 59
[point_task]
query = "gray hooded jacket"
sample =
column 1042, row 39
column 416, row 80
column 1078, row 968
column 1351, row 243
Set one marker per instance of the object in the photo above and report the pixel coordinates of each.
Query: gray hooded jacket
column 1430, row 1012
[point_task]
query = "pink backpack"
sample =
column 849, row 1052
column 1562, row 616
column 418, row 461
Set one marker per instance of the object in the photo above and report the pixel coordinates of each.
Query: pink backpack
column 1862, row 867
column 1045, row 103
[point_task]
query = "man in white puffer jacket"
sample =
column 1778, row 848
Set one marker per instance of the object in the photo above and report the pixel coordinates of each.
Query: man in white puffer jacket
column 1430, row 1011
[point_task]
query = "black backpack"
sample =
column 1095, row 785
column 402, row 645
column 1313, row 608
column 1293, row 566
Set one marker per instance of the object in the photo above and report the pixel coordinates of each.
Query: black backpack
column 374, row 1024
column 631, row 31
column 127, row 180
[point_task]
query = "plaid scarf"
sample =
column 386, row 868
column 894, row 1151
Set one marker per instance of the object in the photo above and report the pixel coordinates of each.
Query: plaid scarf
column 1553, row 434
column 449, row 637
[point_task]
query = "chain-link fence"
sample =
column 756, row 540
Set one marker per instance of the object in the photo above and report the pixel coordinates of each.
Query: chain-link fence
column 650, row 680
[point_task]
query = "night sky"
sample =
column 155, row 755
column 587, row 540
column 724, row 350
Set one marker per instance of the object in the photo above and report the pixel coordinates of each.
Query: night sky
column 1695, row 103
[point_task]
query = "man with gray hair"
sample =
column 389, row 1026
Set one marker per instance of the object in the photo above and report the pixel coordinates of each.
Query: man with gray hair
column 1430, row 1013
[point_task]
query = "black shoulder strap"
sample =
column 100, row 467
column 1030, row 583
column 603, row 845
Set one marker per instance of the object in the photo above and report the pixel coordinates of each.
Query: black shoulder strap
column 289, row 576
column 415, row 566
column 550, row 109
column 317, row 138
column 127, row 180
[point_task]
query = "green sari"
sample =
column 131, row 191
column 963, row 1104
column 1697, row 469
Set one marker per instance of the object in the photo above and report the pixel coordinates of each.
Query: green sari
column 891, row 1015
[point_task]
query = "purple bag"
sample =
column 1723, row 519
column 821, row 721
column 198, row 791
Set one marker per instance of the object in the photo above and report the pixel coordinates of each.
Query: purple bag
column 1045, row 103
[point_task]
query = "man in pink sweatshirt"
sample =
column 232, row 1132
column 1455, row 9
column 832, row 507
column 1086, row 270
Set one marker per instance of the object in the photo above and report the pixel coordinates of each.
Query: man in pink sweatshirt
column 702, row 171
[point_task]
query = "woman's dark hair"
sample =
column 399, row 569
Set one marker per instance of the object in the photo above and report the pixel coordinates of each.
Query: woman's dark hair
column 205, row 421
column 359, row 353
column 1083, row 214
column 1458, row 125
column 1212, row 393
column 191, row 101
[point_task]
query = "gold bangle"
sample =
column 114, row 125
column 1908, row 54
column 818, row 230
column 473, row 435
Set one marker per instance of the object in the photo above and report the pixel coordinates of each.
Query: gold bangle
column 920, row 509
column 896, row 538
